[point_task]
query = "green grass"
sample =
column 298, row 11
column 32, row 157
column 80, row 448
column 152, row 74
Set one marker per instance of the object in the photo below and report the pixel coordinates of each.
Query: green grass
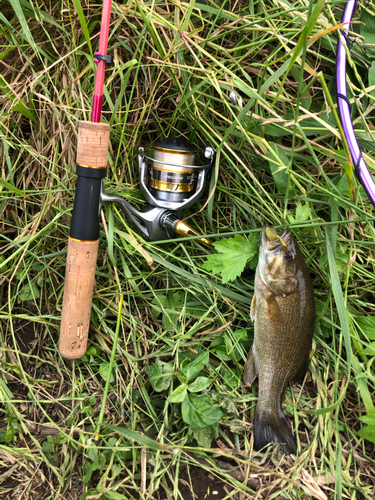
column 68, row 430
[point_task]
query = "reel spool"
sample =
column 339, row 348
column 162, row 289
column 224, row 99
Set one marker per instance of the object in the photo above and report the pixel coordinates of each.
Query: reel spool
column 171, row 179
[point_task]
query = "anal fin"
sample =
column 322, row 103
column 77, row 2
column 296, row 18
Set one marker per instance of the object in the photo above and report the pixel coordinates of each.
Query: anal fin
column 251, row 368
column 300, row 375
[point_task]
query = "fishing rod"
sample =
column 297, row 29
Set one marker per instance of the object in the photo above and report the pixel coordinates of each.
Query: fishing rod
column 170, row 181
column 344, row 106
column 83, row 241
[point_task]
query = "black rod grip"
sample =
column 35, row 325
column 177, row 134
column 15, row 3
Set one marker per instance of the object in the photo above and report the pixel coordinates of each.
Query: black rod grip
column 85, row 216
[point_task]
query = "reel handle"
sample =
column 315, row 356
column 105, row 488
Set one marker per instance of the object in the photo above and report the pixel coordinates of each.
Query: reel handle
column 171, row 220
column 184, row 229
column 83, row 243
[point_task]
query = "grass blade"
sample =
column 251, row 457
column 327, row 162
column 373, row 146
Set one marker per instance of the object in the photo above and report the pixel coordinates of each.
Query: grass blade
column 146, row 441
column 82, row 20
column 21, row 17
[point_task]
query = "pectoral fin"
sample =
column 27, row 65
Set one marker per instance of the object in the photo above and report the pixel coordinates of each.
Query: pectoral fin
column 273, row 311
column 253, row 308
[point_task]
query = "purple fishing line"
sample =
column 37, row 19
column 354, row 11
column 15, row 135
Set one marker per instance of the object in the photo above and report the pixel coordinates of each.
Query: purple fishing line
column 362, row 171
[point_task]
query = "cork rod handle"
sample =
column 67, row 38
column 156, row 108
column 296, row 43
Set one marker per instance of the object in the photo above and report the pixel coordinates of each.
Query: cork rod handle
column 83, row 243
column 78, row 290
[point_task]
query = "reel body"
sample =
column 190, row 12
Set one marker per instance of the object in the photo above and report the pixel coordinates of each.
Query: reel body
column 170, row 182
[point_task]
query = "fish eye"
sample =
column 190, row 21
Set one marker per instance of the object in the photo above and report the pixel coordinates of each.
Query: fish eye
column 288, row 257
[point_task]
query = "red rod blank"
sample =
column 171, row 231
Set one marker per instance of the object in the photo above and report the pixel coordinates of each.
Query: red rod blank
column 100, row 71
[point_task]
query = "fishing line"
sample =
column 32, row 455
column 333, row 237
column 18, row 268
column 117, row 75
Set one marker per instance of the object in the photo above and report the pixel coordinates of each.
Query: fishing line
column 344, row 105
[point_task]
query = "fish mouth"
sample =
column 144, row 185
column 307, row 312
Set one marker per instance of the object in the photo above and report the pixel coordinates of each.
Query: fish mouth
column 273, row 239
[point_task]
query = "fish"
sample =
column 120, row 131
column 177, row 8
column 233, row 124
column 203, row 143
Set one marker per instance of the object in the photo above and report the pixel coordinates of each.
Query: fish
column 283, row 312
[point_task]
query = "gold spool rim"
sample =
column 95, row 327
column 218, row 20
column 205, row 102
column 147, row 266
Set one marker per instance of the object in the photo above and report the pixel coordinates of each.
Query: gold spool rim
column 175, row 151
column 167, row 169
column 183, row 187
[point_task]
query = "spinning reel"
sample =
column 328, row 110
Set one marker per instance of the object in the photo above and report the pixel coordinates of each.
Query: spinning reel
column 170, row 182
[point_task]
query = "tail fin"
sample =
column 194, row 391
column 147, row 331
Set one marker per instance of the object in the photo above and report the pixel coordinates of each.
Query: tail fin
column 270, row 428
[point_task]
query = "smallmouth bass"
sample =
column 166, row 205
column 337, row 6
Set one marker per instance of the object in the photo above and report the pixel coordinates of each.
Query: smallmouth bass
column 283, row 311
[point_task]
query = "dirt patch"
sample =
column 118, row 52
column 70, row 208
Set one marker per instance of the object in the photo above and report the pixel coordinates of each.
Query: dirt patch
column 26, row 334
column 198, row 484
